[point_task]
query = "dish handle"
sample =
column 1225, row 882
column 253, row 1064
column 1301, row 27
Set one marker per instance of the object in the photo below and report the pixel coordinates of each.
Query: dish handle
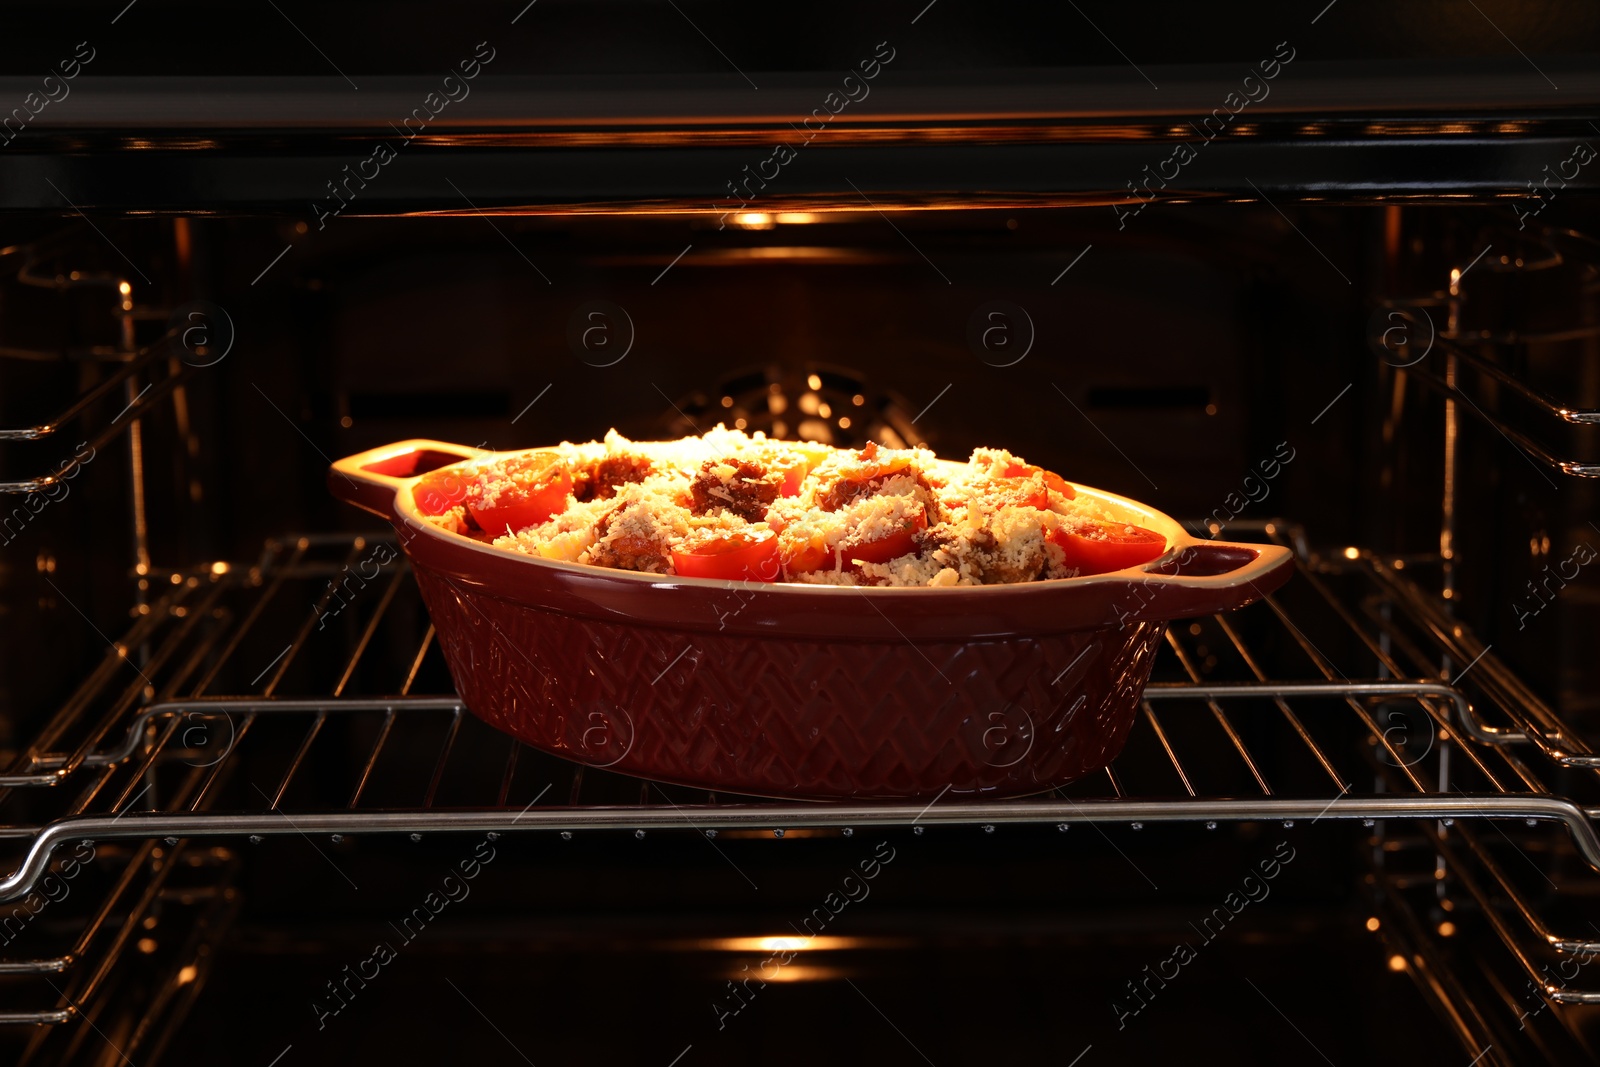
column 370, row 479
column 1203, row 578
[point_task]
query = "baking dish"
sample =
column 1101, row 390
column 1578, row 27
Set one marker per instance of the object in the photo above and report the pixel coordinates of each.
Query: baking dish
column 803, row 691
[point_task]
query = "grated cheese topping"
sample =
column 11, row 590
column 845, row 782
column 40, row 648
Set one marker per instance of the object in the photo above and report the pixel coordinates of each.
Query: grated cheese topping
column 632, row 505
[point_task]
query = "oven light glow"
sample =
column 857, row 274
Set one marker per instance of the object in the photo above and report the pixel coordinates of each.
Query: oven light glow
column 754, row 220
column 1397, row 963
column 1352, row 552
column 125, row 288
column 785, row 943
column 799, row 972
column 791, row 218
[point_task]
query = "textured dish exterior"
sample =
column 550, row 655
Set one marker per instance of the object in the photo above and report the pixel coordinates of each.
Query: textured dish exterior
column 796, row 718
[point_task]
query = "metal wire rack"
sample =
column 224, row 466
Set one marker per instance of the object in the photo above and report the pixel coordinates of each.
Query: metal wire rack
column 285, row 697
column 1471, row 366
column 159, row 362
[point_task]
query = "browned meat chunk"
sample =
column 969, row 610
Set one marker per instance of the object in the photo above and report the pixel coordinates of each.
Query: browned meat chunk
column 629, row 550
column 614, row 471
column 844, row 491
column 748, row 492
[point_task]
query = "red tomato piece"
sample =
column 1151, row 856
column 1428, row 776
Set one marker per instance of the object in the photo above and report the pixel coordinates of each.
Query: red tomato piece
column 808, row 558
column 1109, row 546
column 509, row 516
column 793, row 469
column 1051, row 480
column 539, row 488
column 738, row 557
column 890, row 546
column 1025, row 494
column 438, row 491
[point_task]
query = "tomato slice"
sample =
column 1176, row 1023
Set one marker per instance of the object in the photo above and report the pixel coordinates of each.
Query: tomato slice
column 793, row 469
column 1051, row 479
column 738, row 557
column 540, row 486
column 890, row 546
column 900, row 542
column 440, row 490
column 809, row 557
column 1109, row 546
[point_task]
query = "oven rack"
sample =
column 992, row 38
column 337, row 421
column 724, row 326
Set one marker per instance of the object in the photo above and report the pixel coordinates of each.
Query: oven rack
column 1491, row 375
column 164, row 365
column 167, row 902
column 1320, row 703
column 1470, row 366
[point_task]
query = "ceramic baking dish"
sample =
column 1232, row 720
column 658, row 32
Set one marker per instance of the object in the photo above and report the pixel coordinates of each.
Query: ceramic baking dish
column 791, row 690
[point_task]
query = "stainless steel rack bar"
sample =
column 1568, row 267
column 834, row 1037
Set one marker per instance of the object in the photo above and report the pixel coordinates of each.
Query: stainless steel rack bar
column 126, row 908
column 1455, row 347
column 1576, row 468
column 159, row 356
column 1063, row 812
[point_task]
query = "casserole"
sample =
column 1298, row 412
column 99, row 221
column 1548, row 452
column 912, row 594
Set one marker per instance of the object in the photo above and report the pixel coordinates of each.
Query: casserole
column 803, row 691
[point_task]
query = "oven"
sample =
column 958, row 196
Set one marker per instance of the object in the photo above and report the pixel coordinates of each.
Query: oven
column 1324, row 278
